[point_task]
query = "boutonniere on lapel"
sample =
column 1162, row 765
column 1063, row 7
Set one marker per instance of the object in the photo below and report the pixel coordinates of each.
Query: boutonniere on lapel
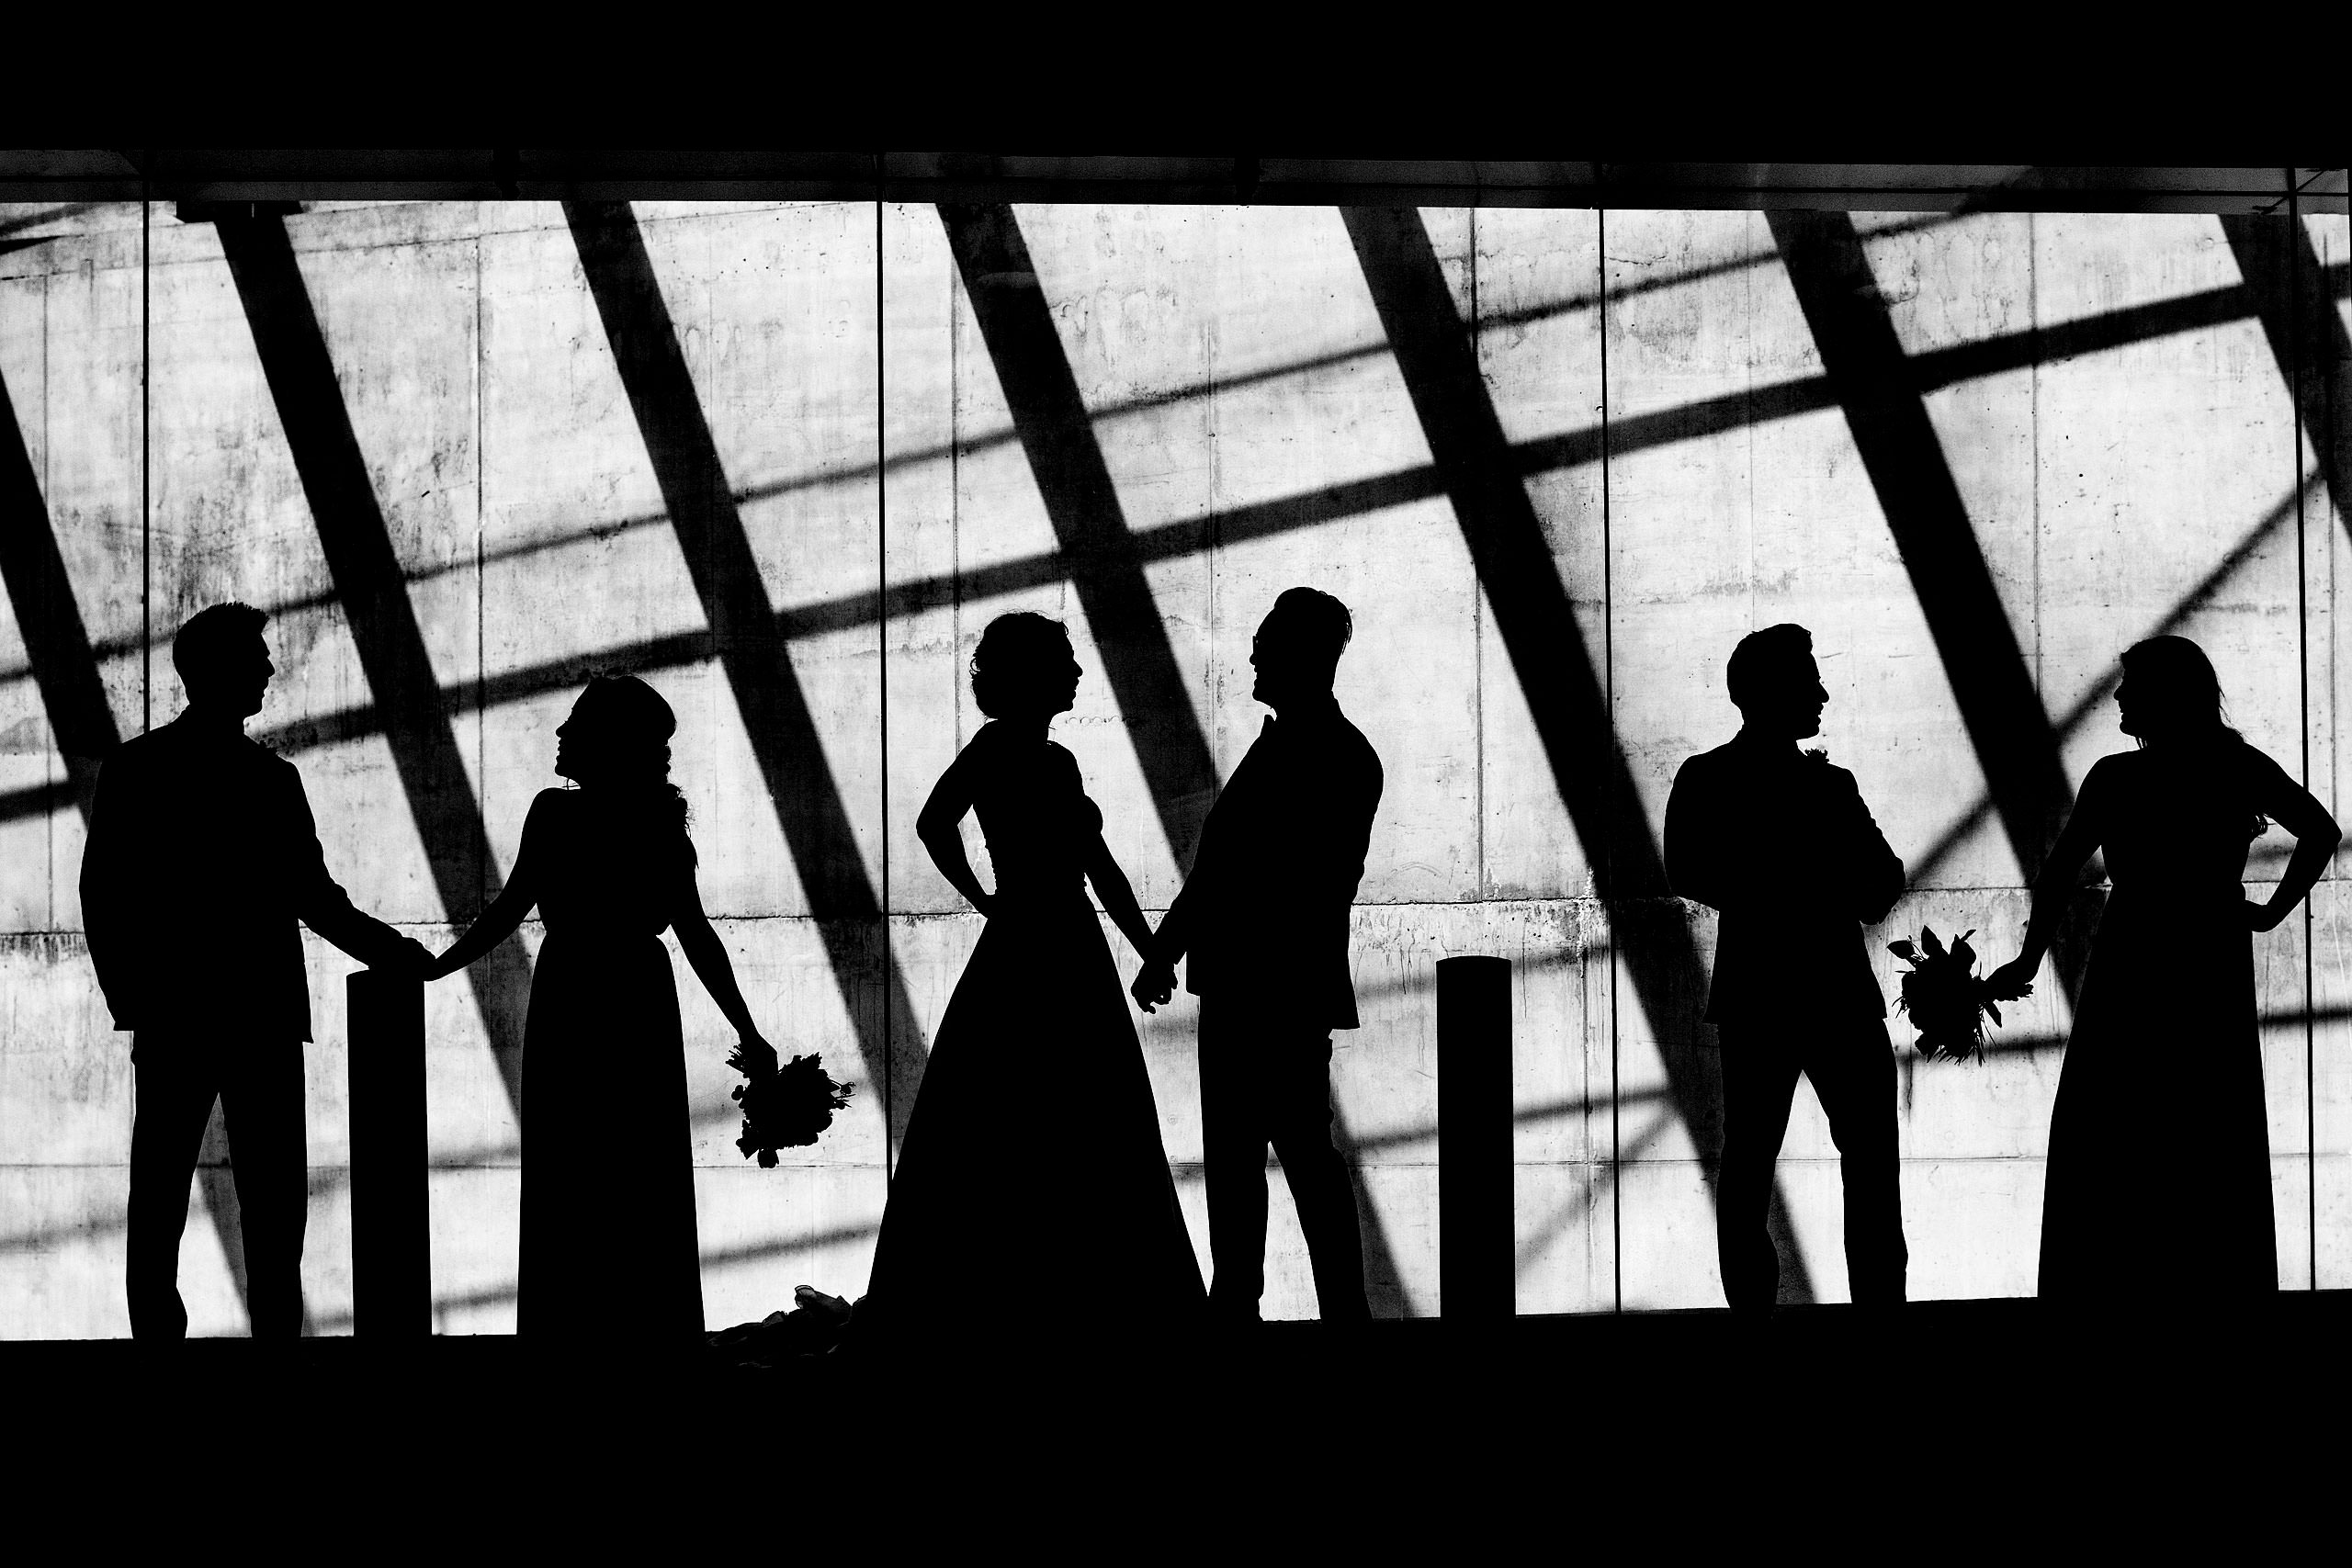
column 1817, row 755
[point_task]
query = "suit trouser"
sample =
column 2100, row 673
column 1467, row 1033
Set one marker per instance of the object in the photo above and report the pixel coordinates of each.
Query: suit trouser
column 1852, row 1066
column 1266, row 1081
column 179, row 1073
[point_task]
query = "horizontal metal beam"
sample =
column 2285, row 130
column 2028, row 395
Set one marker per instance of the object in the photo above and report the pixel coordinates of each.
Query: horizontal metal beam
column 852, row 175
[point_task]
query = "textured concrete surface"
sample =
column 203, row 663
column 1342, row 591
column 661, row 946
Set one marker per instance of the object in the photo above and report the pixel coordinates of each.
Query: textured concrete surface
column 2104, row 392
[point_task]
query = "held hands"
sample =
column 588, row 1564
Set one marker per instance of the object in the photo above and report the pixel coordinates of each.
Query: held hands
column 1154, row 985
column 410, row 960
column 2263, row 917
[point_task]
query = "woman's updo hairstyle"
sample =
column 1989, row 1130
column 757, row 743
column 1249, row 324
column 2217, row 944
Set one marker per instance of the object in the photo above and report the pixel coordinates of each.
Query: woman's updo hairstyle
column 628, row 726
column 1022, row 664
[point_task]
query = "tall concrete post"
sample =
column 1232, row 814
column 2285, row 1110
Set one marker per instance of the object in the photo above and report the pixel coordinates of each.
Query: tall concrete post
column 1476, row 1275
column 392, row 1268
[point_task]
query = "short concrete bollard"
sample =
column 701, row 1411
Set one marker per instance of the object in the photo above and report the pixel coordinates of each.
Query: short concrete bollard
column 1476, row 1271
column 392, row 1257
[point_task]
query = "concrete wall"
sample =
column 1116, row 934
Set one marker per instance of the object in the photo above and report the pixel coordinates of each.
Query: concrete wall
column 888, row 467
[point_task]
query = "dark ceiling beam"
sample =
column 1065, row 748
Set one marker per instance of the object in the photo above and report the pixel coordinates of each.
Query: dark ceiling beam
column 854, row 174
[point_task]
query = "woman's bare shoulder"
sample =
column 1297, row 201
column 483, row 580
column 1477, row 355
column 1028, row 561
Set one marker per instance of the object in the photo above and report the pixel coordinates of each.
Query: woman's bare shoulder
column 2115, row 768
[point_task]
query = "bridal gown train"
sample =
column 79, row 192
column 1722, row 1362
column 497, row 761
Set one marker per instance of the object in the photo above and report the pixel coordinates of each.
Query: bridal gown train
column 1033, row 1192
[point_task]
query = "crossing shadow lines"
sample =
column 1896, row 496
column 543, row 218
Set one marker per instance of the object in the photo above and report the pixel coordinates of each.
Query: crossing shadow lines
column 757, row 660
column 1991, row 683
column 373, row 591
column 1104, row 561
column 2296, row 305
column 82, row 726
column 1556, row 668
column 57, row 644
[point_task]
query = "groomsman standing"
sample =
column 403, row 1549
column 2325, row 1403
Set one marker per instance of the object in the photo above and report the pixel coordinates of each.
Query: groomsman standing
column 1264, row 922
column 202, row 856
column 1780, row 842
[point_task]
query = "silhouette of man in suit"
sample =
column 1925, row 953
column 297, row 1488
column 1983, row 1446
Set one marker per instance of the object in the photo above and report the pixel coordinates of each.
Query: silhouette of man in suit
column 202, row 856
column 1262, row 922
column 1780, row 842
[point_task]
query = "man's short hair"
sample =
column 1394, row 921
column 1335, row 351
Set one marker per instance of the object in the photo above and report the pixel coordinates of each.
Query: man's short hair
column 213, row 637
column 1314, row 624
column 1764, row 659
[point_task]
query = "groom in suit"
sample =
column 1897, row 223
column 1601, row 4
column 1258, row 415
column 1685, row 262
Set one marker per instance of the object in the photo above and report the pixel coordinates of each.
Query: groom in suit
column 202, row 856
column 1263, row 920
column 1780, row 842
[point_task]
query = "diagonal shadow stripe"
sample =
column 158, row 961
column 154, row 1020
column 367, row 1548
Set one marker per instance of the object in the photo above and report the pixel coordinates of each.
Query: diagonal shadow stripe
column 1556, row 668
column 57, row 646
column 2295, row 304
column 775, row 713
column 1098, row 552
column 1308, row 509
column 1101, row 558
column 1991, row 683
column 1933, row 369
column 81, row 722
column 2196, row 598
column 373, row 594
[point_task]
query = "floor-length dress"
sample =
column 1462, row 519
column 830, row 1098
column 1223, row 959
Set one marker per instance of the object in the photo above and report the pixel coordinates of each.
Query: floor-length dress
column 608, row 1242
column 2158, row 1181
column 1033, row 1193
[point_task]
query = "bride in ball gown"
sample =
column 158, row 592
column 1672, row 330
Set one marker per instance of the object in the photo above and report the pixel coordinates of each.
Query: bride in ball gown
column 608, row 1242
column 2158, row 1181
column 1032, row 1166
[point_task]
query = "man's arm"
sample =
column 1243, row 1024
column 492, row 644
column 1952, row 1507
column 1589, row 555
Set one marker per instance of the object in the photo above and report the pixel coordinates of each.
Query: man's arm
column 1174, row 938
column 1695, row 853
column 107, row 916
column 1351, row 844
column 1155, row 983
column 322, row 902
column 1878, row 879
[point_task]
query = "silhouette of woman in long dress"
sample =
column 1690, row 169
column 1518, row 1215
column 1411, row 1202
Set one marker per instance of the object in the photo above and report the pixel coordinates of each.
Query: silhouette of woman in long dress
column 609, row 1241
column 1032, row 1160
column 2159, row 1166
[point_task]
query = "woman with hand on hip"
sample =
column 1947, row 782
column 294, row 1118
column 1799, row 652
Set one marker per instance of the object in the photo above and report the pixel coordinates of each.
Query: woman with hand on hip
column 2159, row 1167
column 1033, row 1165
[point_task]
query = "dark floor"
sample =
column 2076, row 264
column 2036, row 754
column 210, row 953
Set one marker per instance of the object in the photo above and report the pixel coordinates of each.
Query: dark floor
column 1677, row 1425
column 1534, row 1371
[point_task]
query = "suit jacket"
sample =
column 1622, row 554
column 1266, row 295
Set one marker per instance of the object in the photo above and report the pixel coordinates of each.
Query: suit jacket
column 202, row 856
column 1780, row 842
column 1264, row 913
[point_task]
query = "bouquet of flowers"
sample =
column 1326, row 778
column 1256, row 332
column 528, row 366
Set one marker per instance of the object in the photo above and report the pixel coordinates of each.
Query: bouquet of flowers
column 786, row 1107
column 1946, row 1000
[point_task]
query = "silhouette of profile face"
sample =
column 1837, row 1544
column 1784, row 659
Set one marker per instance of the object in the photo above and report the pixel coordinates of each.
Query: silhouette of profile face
column 223, row 660
column 575, row 743
column 1296, row 651
column 1025, row 668
column 1776, row 684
